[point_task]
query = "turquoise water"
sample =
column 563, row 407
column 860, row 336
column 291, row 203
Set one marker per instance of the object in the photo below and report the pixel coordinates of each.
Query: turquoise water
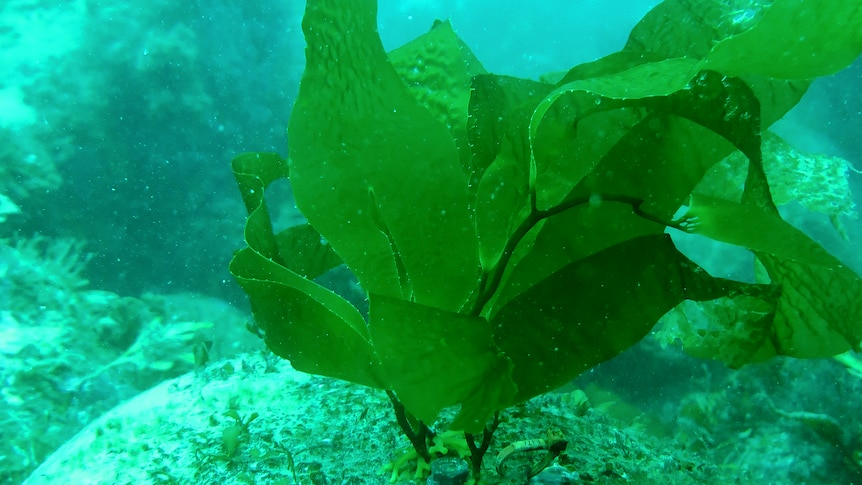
column 119, row 214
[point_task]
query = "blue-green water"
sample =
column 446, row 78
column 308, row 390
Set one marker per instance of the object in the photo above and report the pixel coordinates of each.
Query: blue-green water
column 119, row 214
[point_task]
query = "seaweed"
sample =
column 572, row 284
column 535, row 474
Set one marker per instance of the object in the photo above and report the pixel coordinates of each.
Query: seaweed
column 511, row 234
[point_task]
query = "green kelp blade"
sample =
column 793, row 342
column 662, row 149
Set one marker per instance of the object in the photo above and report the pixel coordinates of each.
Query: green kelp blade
column 373, row 170
column 254, row 171
column 795, row 39
column 499, row 120
column 698, row 26
column 663, row 155
column 819, row 313
column 695, row 27
column 814, row 313
column 437, row 68
column 586, row 98
column 783, row 39
column 735, row 330
column 819, row 183
column 565, row 238
column 300, row 248
column 250, row 169
column 671, row 155
column 753, row 228
column 305, row 252
column 659, row 161
column 776, row 97
column 595, row 308
column 500, row 110
column 501, row 205
column 436, row 359
column 317, row 330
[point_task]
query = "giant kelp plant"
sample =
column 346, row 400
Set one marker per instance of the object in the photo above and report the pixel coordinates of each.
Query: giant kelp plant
column 510, row 234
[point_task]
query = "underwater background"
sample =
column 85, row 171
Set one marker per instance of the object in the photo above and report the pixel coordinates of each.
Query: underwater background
column 119, row 214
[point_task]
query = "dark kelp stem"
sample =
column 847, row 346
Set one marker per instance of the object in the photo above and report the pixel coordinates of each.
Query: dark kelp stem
column 418, row 437
column 477, row 453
